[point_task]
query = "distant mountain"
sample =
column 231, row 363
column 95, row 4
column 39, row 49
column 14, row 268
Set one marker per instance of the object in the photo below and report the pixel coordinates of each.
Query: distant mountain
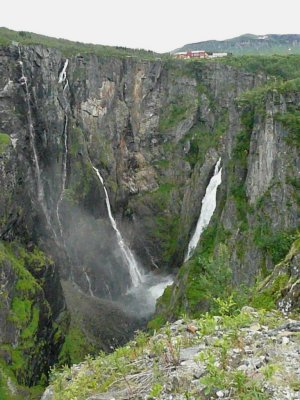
column 250, row 44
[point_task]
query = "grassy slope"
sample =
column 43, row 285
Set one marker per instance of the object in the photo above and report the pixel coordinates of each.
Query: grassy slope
column 69, row 48
column 143, row 368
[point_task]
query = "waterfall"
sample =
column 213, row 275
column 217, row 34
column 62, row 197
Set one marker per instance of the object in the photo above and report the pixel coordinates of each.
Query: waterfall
column 63, row 75
column 40, row 189
column 89, row 284
column 108, row 290
column 63, row 79
column 64, row 174
column 207, row 209
column 135, row 274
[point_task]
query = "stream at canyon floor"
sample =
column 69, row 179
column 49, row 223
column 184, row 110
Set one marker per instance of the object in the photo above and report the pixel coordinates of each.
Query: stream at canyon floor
column 140, row 300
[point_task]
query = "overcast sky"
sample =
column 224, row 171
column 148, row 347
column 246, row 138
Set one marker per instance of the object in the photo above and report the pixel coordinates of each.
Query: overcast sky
column 159, row 25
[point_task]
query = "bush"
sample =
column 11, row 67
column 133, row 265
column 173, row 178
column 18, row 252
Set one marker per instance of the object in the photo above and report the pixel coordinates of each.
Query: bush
column 4, row 142
column 291, row 121
column 275, row 244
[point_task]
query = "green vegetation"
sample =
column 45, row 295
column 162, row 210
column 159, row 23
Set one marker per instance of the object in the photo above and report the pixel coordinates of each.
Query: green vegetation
column 82, row 182
column 242, row 144
column 166, row 225
column 27, row 307
column 208, row 277
column 275, row 244
column 201, row 139
column 4, row 142
column 203, row 278
column 78, row 142
column 266, row 298
column 241, row 384
column 108, row 368
column 21, row 310
column 175, row 112
column 69, row 48
column 75, row 347
column 31, row 329
column 291, row 121
column 157, row 322
column 283, row 67
column 20, row 392
column 131, row 369
column 268, row 292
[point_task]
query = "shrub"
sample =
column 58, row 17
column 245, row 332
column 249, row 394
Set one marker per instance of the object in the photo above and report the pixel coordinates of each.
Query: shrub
column 4, row 142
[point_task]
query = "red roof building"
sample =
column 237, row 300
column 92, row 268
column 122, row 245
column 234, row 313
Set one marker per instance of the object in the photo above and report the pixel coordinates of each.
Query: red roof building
column 191, row 54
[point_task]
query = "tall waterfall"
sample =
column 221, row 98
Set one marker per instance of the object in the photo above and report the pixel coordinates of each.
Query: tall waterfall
column 63, row 79
column 135, row 274
column 40, row 189
column 207, row 209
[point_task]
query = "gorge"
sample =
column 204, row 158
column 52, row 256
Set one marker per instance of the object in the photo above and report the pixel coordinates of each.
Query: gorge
column 128, row 178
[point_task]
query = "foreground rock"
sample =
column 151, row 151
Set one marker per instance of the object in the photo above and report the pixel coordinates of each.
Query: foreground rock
column 252, row 355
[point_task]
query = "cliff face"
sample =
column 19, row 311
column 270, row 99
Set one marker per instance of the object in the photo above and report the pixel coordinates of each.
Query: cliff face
column 155, row 130
column 257, row 214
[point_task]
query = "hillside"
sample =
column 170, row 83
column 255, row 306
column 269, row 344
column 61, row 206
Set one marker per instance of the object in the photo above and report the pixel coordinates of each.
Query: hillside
column 250, row 44
column 246, row 356
column 68, row 47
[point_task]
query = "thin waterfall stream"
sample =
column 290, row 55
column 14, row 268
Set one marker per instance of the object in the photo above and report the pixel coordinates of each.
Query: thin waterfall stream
column 40, row 189
column 145, row 288
column 89, row 284
column 64, row 80
column 141, row 298
column 207, row 209
column 134, row 271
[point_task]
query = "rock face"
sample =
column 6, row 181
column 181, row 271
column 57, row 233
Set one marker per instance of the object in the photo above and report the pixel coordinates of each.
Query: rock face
column 257, row 213
column 155, row 130
column 140, row 123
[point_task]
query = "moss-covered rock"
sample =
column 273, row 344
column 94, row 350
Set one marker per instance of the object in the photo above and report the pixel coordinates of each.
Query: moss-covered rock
column 282, row 287
column 27, row 326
